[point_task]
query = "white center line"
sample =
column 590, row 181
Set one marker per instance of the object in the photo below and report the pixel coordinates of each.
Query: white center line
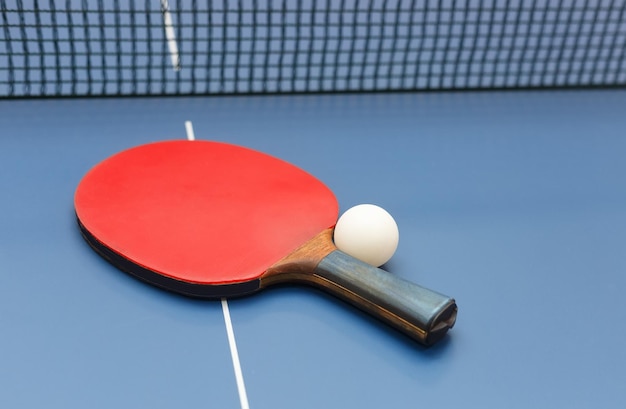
column 241, row 387
column 189, row 130
column 170, row 35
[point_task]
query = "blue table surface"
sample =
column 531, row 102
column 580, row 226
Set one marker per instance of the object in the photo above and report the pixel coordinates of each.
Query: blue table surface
column 514, row 203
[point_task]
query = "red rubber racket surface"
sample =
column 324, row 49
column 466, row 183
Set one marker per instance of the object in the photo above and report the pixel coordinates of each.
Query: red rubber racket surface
column 202, row 212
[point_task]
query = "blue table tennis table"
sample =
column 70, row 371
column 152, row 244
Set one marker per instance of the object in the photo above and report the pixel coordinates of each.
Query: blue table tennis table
column 514, row 203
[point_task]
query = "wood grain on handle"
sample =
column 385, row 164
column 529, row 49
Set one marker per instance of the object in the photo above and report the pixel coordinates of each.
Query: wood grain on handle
column 422, row 314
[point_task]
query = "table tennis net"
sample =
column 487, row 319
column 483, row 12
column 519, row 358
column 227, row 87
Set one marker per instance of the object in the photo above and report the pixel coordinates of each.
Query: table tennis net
column 52, row 48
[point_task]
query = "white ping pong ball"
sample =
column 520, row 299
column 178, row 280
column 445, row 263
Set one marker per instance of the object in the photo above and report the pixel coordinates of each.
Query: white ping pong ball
column 368, row 233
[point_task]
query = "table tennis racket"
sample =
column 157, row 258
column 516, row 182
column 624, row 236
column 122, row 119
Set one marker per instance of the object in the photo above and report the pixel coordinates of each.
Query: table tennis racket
column 211, row 220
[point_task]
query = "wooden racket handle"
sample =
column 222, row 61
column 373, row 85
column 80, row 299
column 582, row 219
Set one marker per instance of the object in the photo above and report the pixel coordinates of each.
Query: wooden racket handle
column 420, row 313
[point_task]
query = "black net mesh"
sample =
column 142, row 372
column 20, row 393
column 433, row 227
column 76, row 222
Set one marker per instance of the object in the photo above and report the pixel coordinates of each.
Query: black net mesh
column 152, row 47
